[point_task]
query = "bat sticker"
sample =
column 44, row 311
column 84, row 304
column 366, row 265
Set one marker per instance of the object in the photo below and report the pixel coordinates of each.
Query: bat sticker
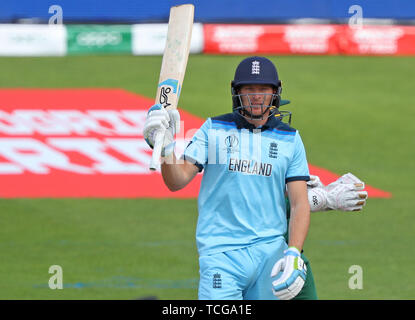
column 171, row 83
column 164, row 96
column 166, row 87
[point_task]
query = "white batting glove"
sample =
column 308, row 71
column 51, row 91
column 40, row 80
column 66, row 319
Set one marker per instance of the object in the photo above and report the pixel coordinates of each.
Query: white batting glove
column 345, row 194
column 168, row 122
column 294, row 273
column 314, row 182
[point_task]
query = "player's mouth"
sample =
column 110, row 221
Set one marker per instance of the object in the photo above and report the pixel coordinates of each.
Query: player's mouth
column 258, row 107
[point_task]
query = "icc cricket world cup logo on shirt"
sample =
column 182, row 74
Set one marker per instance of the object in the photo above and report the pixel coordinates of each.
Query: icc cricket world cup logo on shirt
column 231, row 143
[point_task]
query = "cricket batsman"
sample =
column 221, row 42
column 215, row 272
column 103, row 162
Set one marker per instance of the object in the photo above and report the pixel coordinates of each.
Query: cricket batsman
column 249, row 158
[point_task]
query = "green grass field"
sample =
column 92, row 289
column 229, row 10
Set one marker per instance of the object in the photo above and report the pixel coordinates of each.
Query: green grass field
column 355, row 114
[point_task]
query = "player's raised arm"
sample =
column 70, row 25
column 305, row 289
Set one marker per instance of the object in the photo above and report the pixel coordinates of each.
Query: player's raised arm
column 177, row 173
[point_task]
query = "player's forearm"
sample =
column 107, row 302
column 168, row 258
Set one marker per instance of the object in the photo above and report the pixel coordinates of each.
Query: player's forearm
column 300, row 213
column 176, row 174
column 299, row 224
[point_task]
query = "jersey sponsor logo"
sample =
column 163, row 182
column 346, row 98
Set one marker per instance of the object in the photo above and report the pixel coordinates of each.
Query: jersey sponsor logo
column 250, row 167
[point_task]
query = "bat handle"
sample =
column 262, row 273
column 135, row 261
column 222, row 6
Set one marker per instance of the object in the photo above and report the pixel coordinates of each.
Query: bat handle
column 158, row 144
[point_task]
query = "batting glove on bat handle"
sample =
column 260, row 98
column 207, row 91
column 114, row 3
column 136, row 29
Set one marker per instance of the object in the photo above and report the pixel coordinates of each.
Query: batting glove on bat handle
column 159, row 131
column 292, row 279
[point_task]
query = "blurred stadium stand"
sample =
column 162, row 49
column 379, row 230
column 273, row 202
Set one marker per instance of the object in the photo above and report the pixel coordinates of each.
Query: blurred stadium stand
column 209, row 11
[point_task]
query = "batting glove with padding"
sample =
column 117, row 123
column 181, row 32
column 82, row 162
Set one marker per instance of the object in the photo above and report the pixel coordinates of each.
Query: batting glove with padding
column 159, row 119
column 293, row 276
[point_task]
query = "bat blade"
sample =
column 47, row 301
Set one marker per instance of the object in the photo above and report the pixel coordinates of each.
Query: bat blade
column 173, row 66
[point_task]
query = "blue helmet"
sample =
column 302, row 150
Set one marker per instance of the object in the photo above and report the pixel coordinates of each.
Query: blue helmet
column 256, row 70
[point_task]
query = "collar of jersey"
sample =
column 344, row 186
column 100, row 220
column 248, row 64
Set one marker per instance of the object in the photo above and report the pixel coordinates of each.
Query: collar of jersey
column 242, row 123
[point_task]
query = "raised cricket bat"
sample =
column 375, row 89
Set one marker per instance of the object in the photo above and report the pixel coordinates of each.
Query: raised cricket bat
column 173, row 66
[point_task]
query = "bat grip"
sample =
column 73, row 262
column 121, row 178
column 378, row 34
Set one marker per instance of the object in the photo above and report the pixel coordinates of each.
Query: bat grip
column 158, row 144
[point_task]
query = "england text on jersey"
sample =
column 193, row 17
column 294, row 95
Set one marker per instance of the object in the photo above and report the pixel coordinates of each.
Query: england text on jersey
column 250, row 167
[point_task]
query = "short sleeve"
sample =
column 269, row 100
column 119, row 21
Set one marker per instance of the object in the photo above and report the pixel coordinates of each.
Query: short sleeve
column 298, row 167
column 196, row 151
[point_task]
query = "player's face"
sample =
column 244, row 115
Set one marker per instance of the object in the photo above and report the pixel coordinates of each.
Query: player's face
column 256, row 96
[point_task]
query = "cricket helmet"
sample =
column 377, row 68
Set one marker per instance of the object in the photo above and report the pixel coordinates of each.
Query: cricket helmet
column 255, row 70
